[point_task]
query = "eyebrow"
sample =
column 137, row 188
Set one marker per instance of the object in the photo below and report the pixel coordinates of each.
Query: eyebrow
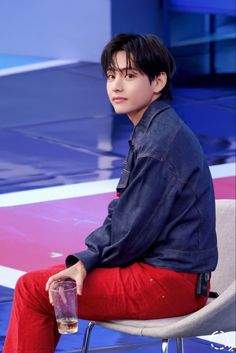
column 123, row 69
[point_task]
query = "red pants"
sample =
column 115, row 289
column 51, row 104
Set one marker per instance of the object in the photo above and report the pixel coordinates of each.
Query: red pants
column 139, row 291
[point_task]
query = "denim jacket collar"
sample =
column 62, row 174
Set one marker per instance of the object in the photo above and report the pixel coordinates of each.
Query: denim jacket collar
column 153, row 110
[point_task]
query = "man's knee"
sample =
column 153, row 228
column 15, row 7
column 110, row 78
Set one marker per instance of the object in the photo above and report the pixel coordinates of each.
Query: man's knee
column 22, row 283
column 28, row 283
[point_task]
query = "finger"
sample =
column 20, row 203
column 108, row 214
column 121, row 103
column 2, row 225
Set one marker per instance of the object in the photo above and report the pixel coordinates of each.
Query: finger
column 62, row 295
column 49, row 282
column 79, row 288
column 53, row 279
column 47, row 288
column 50, row 298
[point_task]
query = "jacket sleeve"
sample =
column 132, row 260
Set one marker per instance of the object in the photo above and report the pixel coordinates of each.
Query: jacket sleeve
column 135, row 220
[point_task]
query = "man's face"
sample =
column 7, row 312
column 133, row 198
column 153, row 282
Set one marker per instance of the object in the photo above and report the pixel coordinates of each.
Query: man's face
column 129, row 90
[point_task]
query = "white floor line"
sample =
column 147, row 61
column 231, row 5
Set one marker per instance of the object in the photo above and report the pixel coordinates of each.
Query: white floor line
column 58, row 193
column 223, row 170
column 85, row 189
column 33, row 67
column 9, row 276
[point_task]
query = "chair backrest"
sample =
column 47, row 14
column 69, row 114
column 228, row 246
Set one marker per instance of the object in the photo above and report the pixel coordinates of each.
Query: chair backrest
column 225, row 272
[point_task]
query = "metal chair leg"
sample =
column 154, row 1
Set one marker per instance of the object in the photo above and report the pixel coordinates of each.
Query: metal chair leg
column 180, row 345
column 87, row 336
column 164, row 345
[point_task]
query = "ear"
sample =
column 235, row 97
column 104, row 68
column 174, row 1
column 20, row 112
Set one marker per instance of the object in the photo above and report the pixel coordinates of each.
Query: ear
column 159, row 82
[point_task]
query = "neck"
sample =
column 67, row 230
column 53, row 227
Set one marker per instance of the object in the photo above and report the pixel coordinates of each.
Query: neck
column 136, row 116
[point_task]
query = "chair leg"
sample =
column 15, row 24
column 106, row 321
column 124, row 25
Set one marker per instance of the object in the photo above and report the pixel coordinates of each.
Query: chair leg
column 87, row 336
column 180, row 345
column 164, row 345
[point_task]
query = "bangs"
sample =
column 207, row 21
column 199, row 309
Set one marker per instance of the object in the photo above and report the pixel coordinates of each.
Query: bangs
column 111, row 64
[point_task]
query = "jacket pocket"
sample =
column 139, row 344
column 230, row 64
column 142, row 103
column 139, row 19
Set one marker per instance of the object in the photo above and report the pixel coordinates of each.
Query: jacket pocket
column 123, row 182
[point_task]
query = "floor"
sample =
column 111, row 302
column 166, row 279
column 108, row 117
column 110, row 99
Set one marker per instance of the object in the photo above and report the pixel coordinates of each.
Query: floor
column 61, row 151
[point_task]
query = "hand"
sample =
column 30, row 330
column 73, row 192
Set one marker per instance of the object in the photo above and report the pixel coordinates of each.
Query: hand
column 76, row 272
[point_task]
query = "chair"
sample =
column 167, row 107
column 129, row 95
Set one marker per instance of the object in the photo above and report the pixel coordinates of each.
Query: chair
column 217, row 315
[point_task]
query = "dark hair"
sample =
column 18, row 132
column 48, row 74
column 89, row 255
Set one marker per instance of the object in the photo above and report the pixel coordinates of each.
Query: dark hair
column 148, row 53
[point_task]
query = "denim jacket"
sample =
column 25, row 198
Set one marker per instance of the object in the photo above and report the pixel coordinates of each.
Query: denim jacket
column 165, row 213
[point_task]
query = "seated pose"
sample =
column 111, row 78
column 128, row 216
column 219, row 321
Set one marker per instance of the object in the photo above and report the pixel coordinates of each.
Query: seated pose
column 157, row 244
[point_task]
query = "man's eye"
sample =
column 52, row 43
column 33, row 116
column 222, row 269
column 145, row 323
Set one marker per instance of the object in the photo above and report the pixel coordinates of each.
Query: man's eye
column 129, row 76
column 110, row 76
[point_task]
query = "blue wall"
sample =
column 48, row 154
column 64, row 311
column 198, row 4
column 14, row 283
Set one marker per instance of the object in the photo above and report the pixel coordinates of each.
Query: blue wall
column 142, row 16
column 79, row 29
column 226, row 7
column 68, row 29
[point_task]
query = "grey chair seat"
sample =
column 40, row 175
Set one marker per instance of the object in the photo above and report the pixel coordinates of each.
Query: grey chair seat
column 217, row 315
column 194, row 324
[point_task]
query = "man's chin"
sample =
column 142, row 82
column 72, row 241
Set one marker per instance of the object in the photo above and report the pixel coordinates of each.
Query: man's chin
column 119, row 110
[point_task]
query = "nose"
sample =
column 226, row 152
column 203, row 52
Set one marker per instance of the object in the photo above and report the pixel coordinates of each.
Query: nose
column 117, row 85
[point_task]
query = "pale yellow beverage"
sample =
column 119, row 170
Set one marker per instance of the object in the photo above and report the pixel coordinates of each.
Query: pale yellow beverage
column 67, row 325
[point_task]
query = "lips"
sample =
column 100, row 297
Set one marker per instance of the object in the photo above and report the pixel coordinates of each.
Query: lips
column 119, row 99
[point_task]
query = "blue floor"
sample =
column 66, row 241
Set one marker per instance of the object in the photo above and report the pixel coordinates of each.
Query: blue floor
column 57, row 128
column 50, row 134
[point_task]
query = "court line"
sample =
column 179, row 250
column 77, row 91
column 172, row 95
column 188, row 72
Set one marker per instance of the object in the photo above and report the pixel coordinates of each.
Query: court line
column 58, row 193
column 33, row 67
column 9, row 276
column 85, row 189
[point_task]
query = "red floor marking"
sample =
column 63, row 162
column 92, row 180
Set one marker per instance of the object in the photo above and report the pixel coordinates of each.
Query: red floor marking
column 29, row 234
column 225, row 188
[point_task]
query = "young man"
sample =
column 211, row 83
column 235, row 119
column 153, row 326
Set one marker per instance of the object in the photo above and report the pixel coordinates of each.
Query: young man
column 158, row 238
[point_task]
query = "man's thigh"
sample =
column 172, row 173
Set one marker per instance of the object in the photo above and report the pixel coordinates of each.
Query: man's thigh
column 139, row 291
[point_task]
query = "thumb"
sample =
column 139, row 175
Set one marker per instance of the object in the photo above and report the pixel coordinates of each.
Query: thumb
column 53, row 279
column 79, row 285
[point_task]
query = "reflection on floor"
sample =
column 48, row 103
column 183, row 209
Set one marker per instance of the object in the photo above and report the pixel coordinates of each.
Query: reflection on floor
column 57, row 129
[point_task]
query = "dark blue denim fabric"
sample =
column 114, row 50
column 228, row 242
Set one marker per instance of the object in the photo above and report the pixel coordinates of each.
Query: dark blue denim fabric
column 165, row 215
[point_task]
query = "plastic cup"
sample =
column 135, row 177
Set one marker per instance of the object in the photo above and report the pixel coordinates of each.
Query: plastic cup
column 64, row 296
